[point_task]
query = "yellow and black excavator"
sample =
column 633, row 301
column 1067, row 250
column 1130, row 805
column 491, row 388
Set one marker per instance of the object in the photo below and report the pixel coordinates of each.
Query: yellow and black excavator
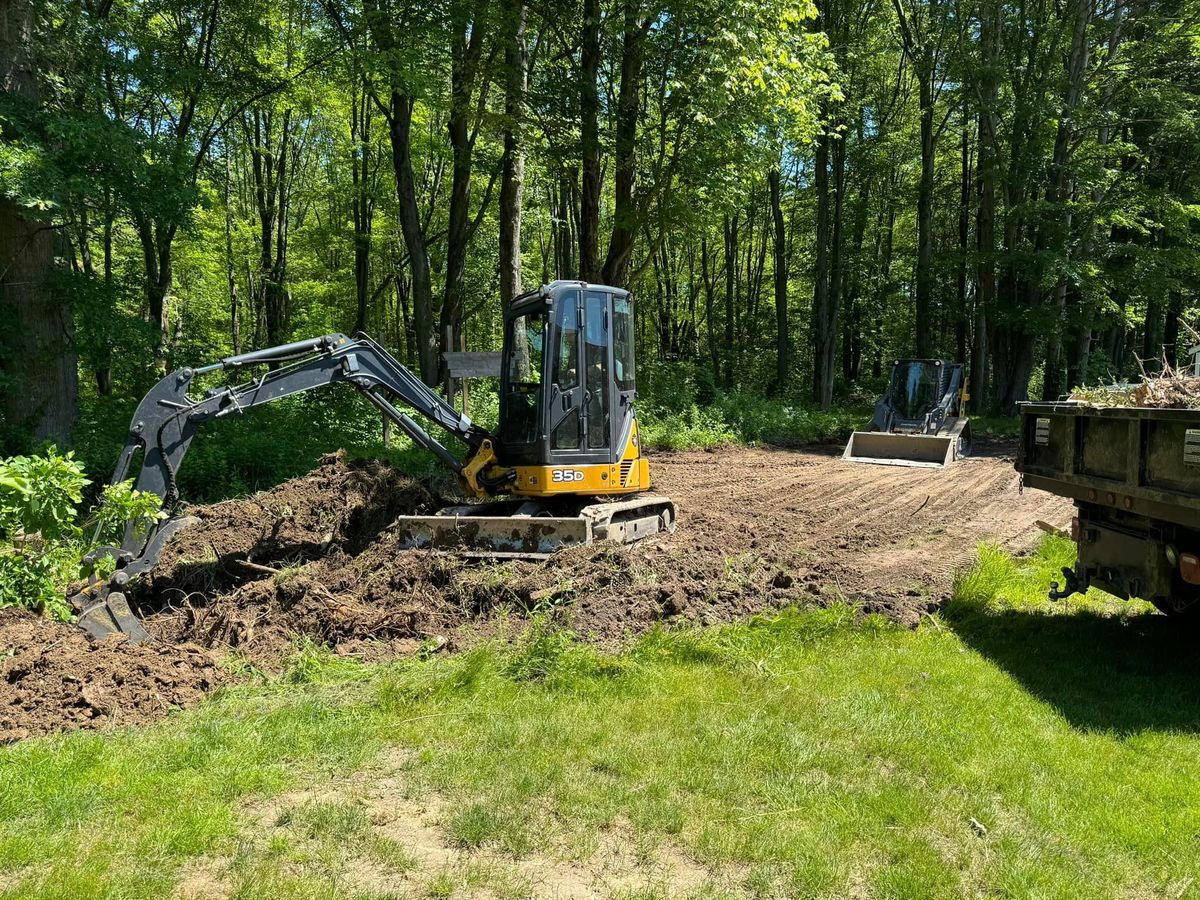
column 566, row 455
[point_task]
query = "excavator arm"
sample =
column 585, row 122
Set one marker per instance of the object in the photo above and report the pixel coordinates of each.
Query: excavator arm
column 167, row 418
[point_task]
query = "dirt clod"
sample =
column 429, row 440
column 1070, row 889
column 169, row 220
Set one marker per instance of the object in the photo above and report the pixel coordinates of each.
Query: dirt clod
column 53, row 677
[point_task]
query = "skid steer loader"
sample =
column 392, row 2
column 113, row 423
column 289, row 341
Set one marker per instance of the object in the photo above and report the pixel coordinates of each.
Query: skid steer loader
column 566, row 455
column 918, row 421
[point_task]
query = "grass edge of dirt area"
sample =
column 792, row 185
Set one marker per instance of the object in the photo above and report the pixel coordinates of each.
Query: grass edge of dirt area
column 939, row 761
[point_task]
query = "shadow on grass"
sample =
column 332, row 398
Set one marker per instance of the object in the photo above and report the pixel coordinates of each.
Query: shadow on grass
column 1109, row 673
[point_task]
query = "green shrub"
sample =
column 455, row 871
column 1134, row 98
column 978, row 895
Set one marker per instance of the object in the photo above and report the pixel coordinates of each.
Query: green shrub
column 41, row 537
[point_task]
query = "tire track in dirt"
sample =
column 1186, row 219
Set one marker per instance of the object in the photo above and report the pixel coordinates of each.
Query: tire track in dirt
column 889, row 537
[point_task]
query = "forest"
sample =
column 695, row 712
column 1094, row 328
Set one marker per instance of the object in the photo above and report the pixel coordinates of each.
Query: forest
column 795, row 193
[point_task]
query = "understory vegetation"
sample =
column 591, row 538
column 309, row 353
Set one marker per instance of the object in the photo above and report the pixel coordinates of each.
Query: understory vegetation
column 43, row 538
column 1008, row 746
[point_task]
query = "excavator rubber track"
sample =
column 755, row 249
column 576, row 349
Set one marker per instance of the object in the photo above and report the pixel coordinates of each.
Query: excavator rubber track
column 530, row 529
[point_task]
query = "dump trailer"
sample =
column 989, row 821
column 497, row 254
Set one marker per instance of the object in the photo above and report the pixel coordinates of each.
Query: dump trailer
column 1134, row 474
column 565, row 466
column 918, row 421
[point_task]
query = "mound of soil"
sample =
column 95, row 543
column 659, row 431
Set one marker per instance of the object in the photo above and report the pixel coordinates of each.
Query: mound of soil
column 53, row 677
column 339, row 506
column 315, row 557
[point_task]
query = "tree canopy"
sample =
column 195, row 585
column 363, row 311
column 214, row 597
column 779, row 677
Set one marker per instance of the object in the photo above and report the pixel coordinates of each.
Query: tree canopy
column 795, row 193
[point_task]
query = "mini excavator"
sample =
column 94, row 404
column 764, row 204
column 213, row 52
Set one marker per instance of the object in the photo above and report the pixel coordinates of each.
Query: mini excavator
column 566, row 456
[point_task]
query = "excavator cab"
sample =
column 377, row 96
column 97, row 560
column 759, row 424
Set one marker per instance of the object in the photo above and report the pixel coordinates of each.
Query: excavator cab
column 567, row 391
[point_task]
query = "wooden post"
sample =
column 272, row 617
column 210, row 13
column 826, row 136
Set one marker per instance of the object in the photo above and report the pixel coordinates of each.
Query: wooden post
column 448, row 343
column 462, row 346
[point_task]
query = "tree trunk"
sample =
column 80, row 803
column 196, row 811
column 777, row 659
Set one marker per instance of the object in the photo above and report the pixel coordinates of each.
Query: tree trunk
column 235, row 331
column 589, row 131
column 837, row 250
column 1170, row 344
column 731, row 280
column 924, row 324
column 962, row 315
column 362, row 204
column 39, row 356
column 1059, row 191
column 400, row 134
column 512, row 175
column 783, row 348
column 625, row 213
column 466, row 49
column 985, row 222
column 823, row 321
column 709, row 272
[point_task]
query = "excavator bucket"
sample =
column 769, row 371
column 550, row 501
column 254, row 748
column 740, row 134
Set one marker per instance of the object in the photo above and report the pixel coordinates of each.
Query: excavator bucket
column 523, row 529
column 930, row 451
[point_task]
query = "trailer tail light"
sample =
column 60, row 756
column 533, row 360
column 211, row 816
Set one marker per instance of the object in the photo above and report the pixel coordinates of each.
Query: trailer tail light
column 1189, row 568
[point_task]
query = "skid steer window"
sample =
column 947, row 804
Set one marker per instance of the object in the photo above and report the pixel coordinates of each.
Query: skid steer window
column 524, row 370
column 917, row 390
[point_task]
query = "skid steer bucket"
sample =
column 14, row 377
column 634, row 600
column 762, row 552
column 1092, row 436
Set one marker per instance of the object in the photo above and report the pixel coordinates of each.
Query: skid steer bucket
column 931, row 451
column 922, row 450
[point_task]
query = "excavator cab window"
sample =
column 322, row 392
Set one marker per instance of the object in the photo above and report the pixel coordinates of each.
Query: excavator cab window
column 623, row 343
column 597, row 394
column 526, row 345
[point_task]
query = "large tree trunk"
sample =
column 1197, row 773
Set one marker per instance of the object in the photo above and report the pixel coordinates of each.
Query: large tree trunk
column 924, row 323
column 731, row 283
column 783, row 346
column 837, row 250
column 709, row 272
column 823, row 320
column 589, row 132
column 362, row 204
column 512, row 175
column 400, row 134
column 1059, row 191
column 270, row 151
column 625, row 213
column 962, row 315
column 39, row 362
column 985, row 222
column 235, row 329
column 466, row 49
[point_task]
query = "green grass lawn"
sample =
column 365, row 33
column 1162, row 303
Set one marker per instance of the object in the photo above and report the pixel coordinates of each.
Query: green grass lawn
column 1008, row 747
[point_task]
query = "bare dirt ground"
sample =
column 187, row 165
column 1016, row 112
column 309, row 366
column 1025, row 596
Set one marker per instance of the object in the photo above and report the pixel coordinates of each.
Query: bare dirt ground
column 758, row 529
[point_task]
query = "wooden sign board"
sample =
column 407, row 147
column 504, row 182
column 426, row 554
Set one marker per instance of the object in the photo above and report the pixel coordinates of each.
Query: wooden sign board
column 472, row 365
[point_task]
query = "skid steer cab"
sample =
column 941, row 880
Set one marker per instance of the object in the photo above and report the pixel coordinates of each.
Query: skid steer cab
column 565, row 460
